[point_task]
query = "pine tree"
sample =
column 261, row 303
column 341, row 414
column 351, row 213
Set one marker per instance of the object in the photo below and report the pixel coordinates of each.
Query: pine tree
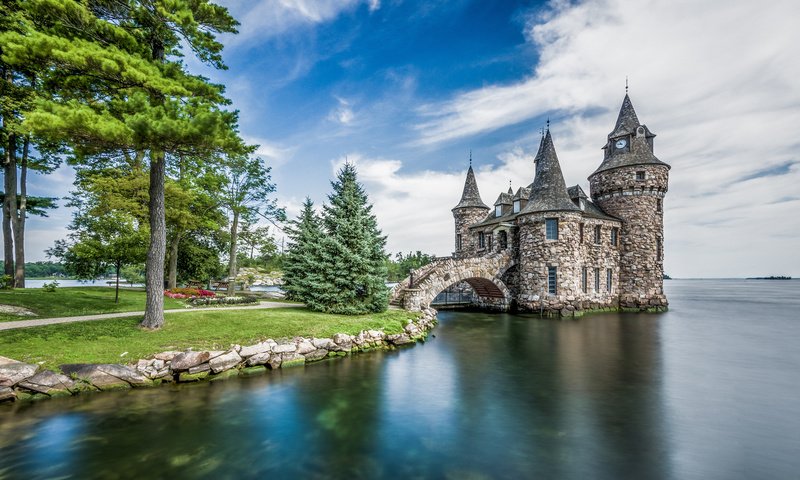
column 352, row 253
column 302, row 265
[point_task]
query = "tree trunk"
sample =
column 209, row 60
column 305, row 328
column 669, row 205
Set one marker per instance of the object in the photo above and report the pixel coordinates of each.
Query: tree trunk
column 9, row 204
column 154, row 274
column 116, row 290
column 172, row 276
column 232, row 260
column 19, row 219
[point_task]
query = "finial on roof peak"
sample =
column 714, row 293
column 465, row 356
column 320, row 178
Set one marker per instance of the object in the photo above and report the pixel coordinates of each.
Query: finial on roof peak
column 470, row 157
column 626, row 84
column 548, row 124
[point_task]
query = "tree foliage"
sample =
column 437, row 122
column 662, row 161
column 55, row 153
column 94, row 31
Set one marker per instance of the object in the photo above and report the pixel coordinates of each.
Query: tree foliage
column 401, row 266
column 117, row 85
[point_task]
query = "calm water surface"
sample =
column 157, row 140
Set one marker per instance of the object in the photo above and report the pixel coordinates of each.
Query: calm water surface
column 709, row 390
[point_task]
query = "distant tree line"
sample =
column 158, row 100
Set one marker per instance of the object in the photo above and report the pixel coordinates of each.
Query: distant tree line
column 400, row 268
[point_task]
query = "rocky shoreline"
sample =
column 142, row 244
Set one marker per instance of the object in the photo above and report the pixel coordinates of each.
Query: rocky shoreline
column 25, row 382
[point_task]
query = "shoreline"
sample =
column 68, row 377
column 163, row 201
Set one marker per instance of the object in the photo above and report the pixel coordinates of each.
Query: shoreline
column 23, row 382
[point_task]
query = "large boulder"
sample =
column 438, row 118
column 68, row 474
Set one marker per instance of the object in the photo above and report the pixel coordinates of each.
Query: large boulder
column 225, row 362
column 284, row 348
column 399, row 339
column 250, row 350
column 7, row 394
column 304, row 347
column 50, row 383
column 13, row 373
column 292, row 360
column 106, row 376
column 318, row 354
column 187, row 360
column 259, row 359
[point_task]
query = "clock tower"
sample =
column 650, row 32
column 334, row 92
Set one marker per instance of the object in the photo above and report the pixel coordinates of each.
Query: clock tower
column 630, row 184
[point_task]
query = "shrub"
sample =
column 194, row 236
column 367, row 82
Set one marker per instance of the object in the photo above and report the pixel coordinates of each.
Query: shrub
column 211, row 301
column 6, row 282
column 50, row 286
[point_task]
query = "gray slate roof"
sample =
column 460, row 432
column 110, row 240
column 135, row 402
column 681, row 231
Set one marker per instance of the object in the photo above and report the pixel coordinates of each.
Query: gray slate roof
column 576, row 193
column 627, row 121
column 548, row 191
column 471, row 196
column 639, row 153
column 504, row 199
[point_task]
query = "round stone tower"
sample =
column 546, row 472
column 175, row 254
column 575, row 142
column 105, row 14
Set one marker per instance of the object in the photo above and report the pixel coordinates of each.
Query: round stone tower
column 630, row 184
column 470, row 210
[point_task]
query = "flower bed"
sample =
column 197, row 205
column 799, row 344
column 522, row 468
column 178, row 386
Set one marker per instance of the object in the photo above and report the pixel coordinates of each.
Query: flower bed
column 190, row 293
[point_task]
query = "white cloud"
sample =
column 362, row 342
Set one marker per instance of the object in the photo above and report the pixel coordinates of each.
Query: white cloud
column 716, row 80
column 269, row 18
column 343, row 113
column 413, row 209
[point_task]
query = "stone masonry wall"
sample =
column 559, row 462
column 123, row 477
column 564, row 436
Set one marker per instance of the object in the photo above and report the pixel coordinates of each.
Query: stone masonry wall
column 464, row 217
column 569, row 255
column 636, row 202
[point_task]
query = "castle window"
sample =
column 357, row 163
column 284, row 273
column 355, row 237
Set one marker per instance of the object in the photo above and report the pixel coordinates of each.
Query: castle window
column 597, row 280
column 502, row 239
column 584, row 280
column 490, row 241
column 658, row 248
column 516, row 206
column 597, row 234
column 481, row 240
column 498, row 211
column 551, row 229
column 640, row 175
column 552, row 280
column 614, row 236
column 580, row 232
column 458, row 242
column 608, row 279
column 659, row 205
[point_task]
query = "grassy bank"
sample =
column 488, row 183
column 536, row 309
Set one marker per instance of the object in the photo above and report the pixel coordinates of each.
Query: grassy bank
column 75, row 301
column 105, row 340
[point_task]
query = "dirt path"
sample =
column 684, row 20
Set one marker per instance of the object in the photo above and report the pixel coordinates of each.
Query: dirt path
column 85, row 318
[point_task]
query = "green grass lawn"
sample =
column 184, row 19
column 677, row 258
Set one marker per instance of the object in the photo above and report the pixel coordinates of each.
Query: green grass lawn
column 103, row 341
column 75, row 301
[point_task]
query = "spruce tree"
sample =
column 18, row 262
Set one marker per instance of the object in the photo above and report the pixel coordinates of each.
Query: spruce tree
column 352, row 253
column 301, row 267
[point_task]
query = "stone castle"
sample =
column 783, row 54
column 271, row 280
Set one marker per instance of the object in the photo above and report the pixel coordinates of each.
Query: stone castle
column 564, row 251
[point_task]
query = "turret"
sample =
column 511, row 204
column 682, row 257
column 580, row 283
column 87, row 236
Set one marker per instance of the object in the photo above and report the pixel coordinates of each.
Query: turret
column 630, row 184
column 469, row 210
column 548, row 237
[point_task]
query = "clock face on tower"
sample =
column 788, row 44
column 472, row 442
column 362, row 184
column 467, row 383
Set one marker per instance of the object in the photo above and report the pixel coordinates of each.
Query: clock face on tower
column 621, row 144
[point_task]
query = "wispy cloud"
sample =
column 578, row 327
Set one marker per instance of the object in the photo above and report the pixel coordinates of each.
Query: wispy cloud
column 270, row 18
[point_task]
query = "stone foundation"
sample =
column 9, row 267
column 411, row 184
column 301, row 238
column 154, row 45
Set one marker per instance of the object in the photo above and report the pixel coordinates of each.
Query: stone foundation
column 21, row 381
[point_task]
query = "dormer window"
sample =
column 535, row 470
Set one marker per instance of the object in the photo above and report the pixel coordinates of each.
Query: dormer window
column 640, row 175
column 498, row 211
column 516, row 206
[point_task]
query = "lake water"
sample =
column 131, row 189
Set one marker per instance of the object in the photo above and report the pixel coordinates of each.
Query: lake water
column 708, row 390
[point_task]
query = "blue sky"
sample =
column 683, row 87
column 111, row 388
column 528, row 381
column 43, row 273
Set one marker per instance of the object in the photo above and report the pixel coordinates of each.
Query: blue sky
column 406, row 89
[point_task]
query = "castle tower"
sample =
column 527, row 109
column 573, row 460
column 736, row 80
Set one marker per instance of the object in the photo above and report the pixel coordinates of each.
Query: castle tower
column 469, row 210
column 630, row 184
column 548, row 237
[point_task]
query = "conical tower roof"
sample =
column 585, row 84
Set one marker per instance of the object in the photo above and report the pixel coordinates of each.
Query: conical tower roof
column 627, row 121
column 471, row 196
column 548, row 191
column 640, row 149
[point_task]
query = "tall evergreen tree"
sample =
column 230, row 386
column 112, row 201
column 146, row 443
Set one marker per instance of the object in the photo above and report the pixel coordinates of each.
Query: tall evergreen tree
column 119, row 86
column 353, row 257
column 302, row 266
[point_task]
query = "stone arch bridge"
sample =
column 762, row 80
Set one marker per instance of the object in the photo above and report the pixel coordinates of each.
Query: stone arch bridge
column 484, row 274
